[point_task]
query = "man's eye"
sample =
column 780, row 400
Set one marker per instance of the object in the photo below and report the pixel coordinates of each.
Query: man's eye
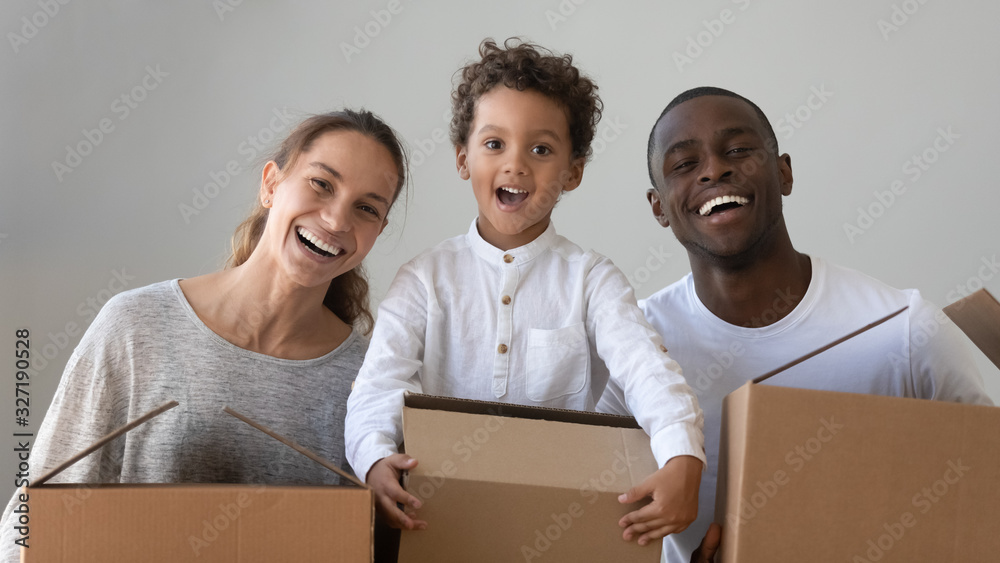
column 683, row 164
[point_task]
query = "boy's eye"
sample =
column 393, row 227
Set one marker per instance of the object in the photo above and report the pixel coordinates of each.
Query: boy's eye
column 493, row 144
column 542, row 150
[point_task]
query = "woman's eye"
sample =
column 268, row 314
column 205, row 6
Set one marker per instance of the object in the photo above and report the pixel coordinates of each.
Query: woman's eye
column 370, row 210
column 321, row 184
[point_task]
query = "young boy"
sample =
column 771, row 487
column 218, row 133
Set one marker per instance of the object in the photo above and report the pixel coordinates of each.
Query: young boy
column 513, row 312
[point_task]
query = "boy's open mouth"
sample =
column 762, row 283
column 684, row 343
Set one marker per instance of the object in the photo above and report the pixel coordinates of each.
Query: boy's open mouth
column 511, row 196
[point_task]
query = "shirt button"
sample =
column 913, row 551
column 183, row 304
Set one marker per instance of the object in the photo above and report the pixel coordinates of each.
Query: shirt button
column 508, row 258
column 502, row 348
column 505, row 300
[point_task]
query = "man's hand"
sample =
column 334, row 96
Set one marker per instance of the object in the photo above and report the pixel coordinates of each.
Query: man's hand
column 709, row 545
column 383, row 478
column 674, row 489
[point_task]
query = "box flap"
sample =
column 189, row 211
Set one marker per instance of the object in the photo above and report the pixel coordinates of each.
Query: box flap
column 100, row 443
column 295, row 446
column 978, row 315
column 433, row 402
column 821, row 349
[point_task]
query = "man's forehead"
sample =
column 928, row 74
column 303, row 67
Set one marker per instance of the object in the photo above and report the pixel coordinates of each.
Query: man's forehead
column 709, row 115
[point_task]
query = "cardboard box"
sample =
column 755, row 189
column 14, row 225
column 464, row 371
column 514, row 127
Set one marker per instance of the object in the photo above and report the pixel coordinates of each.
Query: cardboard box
column 825, row 476
column 84, row 523
column 514, row 483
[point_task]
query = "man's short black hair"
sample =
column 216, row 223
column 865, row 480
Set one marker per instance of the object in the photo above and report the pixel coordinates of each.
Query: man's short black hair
column 697, row 93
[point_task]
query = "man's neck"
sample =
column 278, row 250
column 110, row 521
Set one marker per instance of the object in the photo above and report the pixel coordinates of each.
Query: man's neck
column 756, row 294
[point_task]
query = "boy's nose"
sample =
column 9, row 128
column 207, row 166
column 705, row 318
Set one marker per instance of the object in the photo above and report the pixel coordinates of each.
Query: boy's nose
column 515, row 163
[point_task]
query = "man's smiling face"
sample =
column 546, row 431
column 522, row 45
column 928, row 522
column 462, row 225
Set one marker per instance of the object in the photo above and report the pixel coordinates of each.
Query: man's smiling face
column 719, row 179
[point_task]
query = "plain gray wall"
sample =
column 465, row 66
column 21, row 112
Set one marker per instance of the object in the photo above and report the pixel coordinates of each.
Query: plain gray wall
column 208, row 79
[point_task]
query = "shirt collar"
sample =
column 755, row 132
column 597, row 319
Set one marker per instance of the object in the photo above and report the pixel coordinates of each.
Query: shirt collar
column 520, row 255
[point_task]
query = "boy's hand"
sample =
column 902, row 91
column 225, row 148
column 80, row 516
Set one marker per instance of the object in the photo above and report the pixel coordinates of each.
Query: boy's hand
column 674, row 489
column 383, row 478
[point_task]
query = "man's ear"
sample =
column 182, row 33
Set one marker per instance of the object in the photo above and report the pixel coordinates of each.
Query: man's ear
column 653, row 196
column 785, row 169
column 268, row 183
column 575, row 175
column 461, row 162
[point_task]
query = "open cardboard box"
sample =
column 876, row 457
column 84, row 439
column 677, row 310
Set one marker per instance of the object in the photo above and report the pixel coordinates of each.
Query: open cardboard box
column 824, row 476
column 506, row 483
column 91, row 523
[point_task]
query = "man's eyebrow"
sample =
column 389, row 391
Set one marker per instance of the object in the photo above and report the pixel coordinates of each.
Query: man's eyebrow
column 680, row 145
column 329, row 170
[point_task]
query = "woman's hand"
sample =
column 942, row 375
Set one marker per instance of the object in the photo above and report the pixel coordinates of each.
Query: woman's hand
column 383, row 478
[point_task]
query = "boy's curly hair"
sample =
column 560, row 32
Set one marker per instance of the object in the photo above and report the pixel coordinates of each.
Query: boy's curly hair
column 523, row 66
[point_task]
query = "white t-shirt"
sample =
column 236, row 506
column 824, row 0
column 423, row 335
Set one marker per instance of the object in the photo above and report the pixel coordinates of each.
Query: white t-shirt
column 543, row 324
column 919, row 353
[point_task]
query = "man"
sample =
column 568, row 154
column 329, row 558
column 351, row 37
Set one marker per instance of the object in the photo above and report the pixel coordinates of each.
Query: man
column 752, row 302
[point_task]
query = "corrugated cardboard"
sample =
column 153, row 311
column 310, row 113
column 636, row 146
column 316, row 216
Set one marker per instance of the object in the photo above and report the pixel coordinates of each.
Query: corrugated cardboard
column 824, row 476
column 206, row 522
column 513, row 483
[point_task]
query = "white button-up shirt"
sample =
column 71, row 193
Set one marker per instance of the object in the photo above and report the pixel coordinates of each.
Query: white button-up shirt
column 544, row 324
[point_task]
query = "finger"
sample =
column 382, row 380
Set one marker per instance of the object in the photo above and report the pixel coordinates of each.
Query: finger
column 392, row 515
column 399, row 494
column 711, row 542
column 401, row 462
column 660, row 532
column 635, row 494
column 649, row 512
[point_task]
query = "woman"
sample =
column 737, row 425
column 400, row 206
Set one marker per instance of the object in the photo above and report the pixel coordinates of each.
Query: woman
column 275, row 335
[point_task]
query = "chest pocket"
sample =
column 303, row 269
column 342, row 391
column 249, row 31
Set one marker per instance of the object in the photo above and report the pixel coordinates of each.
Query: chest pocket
column 558, row 362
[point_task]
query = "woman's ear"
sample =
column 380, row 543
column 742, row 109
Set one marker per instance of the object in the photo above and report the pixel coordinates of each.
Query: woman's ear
column 268, row 183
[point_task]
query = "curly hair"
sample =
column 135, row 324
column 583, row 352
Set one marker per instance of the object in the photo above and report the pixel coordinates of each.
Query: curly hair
column 524, row 66
column 347, row 295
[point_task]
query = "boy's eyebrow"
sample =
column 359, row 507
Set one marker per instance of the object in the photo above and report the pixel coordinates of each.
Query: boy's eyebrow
column 491, row 128
column 329, row 170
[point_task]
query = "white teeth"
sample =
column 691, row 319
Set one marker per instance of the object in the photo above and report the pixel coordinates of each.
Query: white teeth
column 709, row 205
column 319, row 244
column 513, row 190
